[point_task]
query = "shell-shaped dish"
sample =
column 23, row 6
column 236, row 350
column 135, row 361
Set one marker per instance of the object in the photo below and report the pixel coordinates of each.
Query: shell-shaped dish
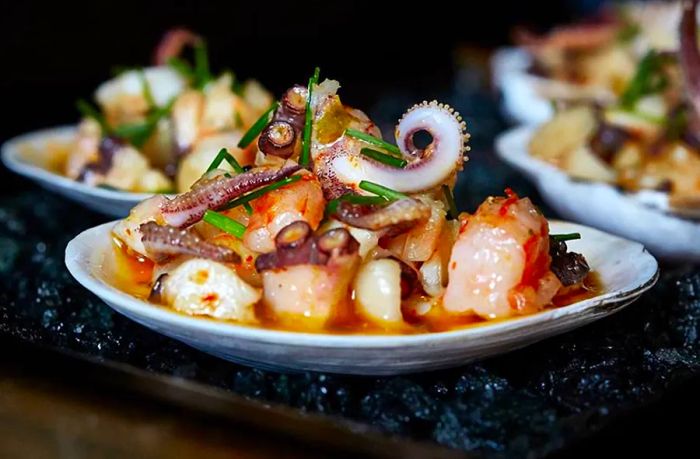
column 669, row 233
column 625, row 268
column 26, row 155
column 522, row 101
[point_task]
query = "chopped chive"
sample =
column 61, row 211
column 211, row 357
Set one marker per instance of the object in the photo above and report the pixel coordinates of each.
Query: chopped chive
column 225, row 155
column 88, row 111
column 257, row 127
column 146, row 88
column 354, row 199
column 382, row 191
column 202, row 75
column 383, row 158
column 308, row 121
column 224, row 223
column 565, row 237
column 105, row 186
column 260, row 191
column 373, row 140
column 138, row 134
column 452, row 212
column 182, row 67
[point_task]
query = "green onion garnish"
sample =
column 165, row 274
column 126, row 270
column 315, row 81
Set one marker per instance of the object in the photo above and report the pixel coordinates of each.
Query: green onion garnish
column 224, row 223
column 260, row 191
column 383, row 158
column 382, row 191
column 649, row 78
column 257, row 127
column 138, row 133
column 182, row 67
column 355, row 199
column 225, row 155
column 308, row 121
column 373, row 140
column 88, row 111
column 202, row 75
column 452, row 212
column 147, row 93
column 105, row 186
column 565, row 237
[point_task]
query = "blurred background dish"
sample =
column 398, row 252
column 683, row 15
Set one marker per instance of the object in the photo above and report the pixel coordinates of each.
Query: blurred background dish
column 641, row 216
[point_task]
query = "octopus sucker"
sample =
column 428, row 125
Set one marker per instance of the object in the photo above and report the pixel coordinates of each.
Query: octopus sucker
column 189, row 208
column 427, row 167
column 162, row 241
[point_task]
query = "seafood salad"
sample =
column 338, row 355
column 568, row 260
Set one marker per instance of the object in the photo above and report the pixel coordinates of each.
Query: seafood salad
column 646, row 140
column 332, row 229
column 155, row 128
column 597, row 58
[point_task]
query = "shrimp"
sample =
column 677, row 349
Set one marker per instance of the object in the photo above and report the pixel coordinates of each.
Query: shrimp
column 500, row 264
column 302, row 200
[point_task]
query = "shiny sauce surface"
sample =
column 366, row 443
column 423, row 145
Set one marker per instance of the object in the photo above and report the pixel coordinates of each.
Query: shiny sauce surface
column 133, row 275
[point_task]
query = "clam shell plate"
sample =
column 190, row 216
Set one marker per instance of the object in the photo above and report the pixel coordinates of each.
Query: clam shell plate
column 625, row 268
column 671, row 234
column 520, row 91
column 110, row 202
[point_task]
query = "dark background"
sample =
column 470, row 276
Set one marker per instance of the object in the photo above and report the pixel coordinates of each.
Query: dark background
column 55, row 52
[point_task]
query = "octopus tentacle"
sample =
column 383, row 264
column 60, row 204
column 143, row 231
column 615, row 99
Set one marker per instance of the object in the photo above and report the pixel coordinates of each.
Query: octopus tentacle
column 189, row 208
column 401, row 212
column 163, row 240
column 426, row 167
column 172, row 44
column 297, row 245
column 280, row 136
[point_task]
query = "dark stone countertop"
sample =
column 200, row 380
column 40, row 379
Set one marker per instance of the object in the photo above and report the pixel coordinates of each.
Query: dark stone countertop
column 527, row 403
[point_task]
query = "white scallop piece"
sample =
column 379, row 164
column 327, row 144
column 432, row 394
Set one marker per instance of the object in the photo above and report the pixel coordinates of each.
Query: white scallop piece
column 645, row 216
column 109, row 202
column 625, row 268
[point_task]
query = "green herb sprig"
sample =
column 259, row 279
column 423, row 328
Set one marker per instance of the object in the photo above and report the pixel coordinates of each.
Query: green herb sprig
column 380, row 190
column 565, row 237
column 224, row 223
column 384, row 158
column 200, row 75
column 374, row 141
column 257, row 127
column 649, row 78
column 138, row 134
column 305, row 156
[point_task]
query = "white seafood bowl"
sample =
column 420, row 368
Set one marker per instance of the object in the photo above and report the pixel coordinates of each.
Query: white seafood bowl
column 625, row 268
column 645, row 216
column 522, row 101
column 110, row 202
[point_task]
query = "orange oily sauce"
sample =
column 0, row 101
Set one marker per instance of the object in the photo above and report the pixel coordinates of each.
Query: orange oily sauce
column 133, row 275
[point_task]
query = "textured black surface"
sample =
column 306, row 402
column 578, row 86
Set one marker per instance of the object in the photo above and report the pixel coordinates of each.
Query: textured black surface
column 527, row 403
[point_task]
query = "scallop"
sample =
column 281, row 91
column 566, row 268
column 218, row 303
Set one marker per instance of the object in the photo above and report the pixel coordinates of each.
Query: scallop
column 205, row 287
